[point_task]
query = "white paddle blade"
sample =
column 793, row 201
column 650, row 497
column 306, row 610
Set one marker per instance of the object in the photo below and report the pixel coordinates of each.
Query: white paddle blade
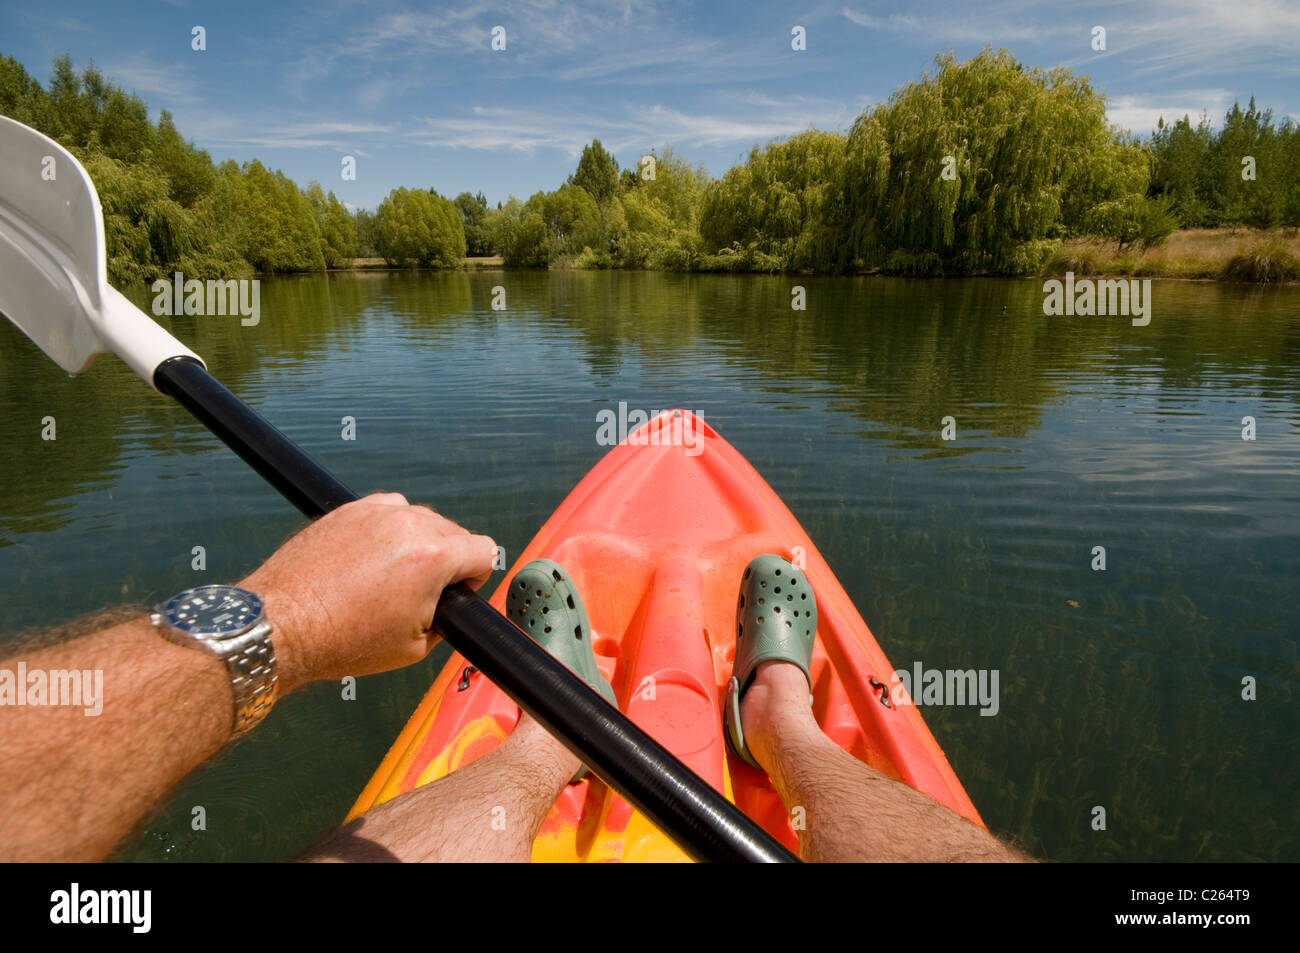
column 53, row 277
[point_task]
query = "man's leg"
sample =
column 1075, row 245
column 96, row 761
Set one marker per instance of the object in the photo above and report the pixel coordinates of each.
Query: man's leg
column 852, row 811
column 489, row 810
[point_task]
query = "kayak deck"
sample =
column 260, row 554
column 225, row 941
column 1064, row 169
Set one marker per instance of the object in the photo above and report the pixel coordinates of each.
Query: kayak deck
column 656, row 537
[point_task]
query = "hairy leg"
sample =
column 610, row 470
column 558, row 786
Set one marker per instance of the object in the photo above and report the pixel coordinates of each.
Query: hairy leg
column 489, row 810
column 852, row 811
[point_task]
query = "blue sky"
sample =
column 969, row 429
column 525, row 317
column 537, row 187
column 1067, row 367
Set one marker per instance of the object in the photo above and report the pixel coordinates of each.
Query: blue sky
column 415, row 92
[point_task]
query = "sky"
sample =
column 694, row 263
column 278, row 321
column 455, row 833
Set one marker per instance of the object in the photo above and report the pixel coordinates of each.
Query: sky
column 418, row 96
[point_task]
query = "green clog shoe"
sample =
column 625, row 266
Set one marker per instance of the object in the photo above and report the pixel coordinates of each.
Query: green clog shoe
column 543, row 601
column 776, row 618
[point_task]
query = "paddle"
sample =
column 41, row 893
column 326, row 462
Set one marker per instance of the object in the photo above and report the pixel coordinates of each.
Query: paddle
column 54, row 287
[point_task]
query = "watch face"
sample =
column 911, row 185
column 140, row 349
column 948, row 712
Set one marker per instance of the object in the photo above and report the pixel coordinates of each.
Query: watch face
column 213, row 610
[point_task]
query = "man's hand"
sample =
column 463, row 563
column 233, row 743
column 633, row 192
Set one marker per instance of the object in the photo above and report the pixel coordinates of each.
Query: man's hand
column 354, row 592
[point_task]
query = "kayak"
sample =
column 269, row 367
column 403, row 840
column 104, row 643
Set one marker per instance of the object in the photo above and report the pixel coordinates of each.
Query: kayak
column 656, row 538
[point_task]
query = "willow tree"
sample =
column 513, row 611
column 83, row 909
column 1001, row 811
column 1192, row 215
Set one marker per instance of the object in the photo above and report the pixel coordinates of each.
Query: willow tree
column 419, row 227
column 338, row 229
column 572, row 218
column 281, row 226
column 978, row 166
column 773, row 211
column 147, row 233
column 662, row 215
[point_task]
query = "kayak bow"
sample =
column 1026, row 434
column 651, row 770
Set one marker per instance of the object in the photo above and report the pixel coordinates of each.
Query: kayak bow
column 656, row 537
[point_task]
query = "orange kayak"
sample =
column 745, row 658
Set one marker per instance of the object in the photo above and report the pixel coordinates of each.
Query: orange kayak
column 656, row 537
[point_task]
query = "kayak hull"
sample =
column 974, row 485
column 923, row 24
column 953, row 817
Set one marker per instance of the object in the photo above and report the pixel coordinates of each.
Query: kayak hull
column 656, row 537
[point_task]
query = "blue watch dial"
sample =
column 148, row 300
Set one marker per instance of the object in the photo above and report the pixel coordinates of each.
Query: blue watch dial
column 212, row 610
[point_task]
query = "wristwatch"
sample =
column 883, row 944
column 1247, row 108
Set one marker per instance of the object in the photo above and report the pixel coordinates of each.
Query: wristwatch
column 230, row 623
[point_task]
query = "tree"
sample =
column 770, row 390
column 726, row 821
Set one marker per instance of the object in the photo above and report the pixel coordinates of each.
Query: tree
column 21, row 96
column 520, row 235
column 420, row 227
column 978, row 167
column 597, row 172
column 572, row 218
column 662, row 217
column 282, row 230
column 338, row 230
column 188, row 169
column 473, row 214
column 1248, row 142
column 775, row 206
column 367, row 234
column 1180, row 153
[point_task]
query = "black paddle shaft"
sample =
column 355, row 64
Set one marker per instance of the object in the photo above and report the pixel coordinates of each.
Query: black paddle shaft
column 681, row 804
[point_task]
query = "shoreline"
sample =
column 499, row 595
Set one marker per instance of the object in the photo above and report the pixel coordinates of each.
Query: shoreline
column 1226, row 255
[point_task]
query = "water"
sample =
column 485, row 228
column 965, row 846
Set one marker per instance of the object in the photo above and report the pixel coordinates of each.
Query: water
column 1119, row 688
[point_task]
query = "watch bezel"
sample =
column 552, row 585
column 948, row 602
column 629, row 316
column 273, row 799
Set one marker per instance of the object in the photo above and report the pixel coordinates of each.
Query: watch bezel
column 167, row 614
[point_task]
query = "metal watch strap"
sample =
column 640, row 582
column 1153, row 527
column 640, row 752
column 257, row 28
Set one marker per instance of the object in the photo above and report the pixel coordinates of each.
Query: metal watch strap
column 250, row 659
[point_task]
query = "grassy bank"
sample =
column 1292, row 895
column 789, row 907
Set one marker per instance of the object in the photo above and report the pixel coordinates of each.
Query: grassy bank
column 1223, row 254
column 1231, row 254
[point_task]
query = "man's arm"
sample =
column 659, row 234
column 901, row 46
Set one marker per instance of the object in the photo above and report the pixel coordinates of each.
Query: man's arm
column 353, row 594
column 72, row 784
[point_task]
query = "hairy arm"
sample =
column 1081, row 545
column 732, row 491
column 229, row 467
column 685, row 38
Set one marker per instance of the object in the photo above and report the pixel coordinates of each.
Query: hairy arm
column 72, row 782
column 353, row 594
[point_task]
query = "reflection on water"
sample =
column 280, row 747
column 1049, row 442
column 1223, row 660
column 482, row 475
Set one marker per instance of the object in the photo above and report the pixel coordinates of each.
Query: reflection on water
column 1119, row 688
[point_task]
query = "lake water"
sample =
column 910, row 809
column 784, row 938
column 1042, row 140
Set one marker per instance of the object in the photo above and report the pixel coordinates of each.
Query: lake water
column 1120, row 688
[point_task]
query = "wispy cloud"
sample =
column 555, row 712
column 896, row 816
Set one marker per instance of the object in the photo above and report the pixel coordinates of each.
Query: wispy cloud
column 1171, row 37
column 1191, row 35
column 339, row 136
column 634, row 127
column 176, row 84
column 997, row 24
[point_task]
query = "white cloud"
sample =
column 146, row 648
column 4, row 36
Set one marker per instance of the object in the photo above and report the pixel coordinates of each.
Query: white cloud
column 635, row 127
column 863, row 19
column 1139, row 113
column 175, row 84
column 341, row 136
column 1202, row 35
column 1174, row 37
column 997, row 25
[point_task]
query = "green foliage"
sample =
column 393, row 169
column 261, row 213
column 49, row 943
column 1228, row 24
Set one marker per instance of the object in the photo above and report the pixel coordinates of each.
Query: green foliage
column 572, row 218
column 473, row 216
column 281, row 226
column 1179, row 170
column 661, row 217
column 774, row 210
column 1133, row 219
column 597, row 172
column 147, row 232
column 338, row 230
column 419, row 227
column 521, row 235
column 591, row 259
column 367, row 234
column 1033, row 161
column 1200, row 171
column 166, row 207
column 189, row 170
column 972, row 168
